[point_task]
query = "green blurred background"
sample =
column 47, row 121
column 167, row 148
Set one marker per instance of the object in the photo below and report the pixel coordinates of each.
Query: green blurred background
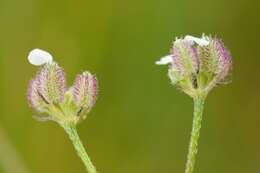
column 140, row 123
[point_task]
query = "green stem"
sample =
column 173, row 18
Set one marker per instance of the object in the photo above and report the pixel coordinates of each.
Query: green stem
column 196, row 125
column 73, row 135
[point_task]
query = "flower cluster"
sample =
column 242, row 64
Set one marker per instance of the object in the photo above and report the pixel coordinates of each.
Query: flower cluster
column 198, row 64
column 47, row 92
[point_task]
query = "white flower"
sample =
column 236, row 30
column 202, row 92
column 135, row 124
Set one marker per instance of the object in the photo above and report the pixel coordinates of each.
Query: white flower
column 164, row 60
column 200, row 41
column 39, row 57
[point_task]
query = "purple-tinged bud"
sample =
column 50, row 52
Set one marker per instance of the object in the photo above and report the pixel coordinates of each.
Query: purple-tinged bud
column 184, row 64
column 177, row 63
column 176, row 70
column 85, row 91
column 51, row 82
column 186, row 55
column 224, row 60
column 35, row 99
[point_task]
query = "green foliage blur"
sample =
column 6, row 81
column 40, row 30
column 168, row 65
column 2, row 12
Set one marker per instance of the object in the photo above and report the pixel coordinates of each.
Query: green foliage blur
column 140, row 122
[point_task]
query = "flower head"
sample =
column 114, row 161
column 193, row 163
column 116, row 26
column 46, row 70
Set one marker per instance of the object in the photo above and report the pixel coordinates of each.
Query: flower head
column 85, row 91
column 47, row 91
column 197, row 64
column 51, row 82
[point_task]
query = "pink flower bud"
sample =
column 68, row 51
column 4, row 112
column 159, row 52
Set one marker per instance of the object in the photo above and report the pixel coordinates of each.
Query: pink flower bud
column 177, row 63
column 85, row 91
column 51, row 82
column 47, row 87
column 35, row 99
column 185, row 57
column 224, row 60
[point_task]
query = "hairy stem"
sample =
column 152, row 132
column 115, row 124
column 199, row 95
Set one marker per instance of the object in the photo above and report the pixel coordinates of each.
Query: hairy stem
column 195, row 133
column 73, row 135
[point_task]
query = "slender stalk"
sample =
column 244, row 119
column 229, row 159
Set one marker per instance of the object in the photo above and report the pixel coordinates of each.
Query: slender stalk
column 195, row 133
column 73, row 135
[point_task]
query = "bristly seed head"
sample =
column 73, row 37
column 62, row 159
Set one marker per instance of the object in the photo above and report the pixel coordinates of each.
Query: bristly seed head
column 36, row 101
column 224, row 60
column 51, row 82
column 85, row 91
column 198, row 64
column 47, row 91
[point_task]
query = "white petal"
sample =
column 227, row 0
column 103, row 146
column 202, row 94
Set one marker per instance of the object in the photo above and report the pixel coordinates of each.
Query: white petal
column 200, row 41
column 39, row 57
column 164, row 60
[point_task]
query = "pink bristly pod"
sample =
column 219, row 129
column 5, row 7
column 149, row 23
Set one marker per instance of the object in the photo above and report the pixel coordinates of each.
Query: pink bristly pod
column 224, row 61
column 51, row 82
column 84, row 92
column 35, row 99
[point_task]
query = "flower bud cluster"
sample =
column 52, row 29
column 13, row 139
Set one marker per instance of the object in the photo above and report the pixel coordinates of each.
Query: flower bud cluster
column 198, row 64
column 47, row 92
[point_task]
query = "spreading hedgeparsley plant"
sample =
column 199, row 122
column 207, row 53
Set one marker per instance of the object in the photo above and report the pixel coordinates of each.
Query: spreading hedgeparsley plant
column 48, row 95
column 196, row 66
